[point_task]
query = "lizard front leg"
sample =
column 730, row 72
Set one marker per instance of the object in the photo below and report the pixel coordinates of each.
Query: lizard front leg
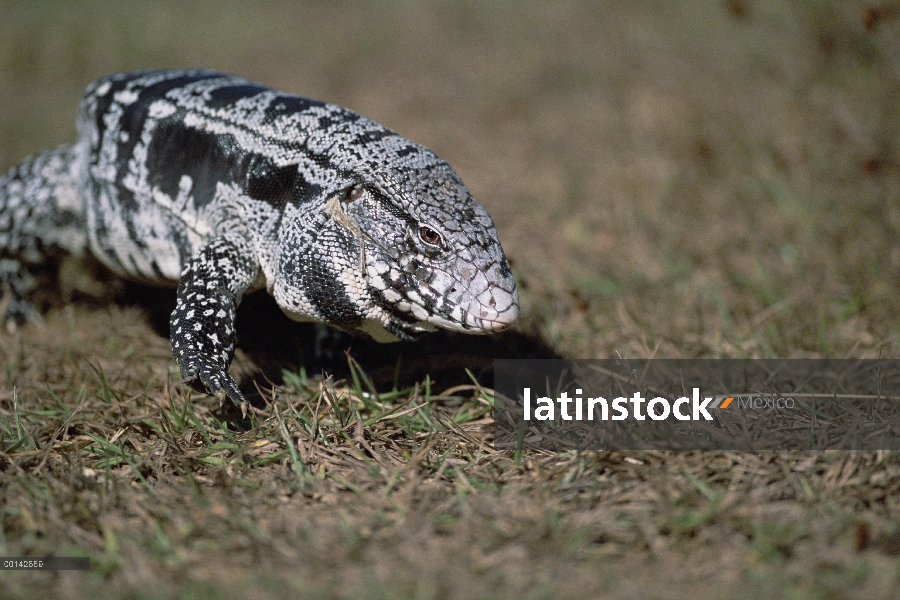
column 202, row 324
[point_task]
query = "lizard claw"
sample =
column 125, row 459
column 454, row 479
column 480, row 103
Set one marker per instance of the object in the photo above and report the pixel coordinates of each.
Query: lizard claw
column 235, row 397
column 208, row 379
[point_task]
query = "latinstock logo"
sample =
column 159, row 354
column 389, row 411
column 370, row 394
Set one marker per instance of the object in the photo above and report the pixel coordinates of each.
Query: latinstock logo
column 589, row 409
column 697, row 404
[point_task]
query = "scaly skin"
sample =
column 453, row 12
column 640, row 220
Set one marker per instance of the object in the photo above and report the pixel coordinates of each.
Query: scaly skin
column 221, row 187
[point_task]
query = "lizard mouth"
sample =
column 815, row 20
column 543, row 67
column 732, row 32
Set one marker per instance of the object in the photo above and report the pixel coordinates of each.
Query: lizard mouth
column 491, row 311
column 488, row 321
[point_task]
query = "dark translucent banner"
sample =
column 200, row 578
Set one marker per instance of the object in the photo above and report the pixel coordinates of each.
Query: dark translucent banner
column 641, row 404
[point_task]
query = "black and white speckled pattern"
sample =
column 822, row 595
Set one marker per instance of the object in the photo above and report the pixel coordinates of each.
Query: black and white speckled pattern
column 222, row 186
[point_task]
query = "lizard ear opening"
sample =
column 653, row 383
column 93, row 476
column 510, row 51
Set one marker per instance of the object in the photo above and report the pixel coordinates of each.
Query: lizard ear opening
column 353, row 193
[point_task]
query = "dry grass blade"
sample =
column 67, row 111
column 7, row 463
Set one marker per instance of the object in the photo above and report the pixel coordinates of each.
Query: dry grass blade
column 671, row 179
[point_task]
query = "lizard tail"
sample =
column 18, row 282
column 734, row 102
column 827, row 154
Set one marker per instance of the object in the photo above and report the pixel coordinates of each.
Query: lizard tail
column 41, row 211
column 41, row 205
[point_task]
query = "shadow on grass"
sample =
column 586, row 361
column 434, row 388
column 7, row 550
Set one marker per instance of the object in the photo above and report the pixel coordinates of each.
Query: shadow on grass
column 275, row 343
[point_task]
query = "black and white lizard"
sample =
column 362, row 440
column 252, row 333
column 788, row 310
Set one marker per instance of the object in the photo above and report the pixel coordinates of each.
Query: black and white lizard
column 221, row 186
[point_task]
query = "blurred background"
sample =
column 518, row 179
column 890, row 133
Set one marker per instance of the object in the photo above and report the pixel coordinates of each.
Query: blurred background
column 715, row 178
column 670, row 179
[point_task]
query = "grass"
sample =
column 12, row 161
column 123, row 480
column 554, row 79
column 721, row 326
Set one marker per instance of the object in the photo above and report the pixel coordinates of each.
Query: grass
column 672, row 180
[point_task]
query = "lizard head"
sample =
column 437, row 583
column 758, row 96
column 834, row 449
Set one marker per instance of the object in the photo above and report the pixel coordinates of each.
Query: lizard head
column 431, row 255
column 397, row 247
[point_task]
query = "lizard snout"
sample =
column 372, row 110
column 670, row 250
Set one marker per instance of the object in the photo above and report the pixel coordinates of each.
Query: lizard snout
column 494, row 309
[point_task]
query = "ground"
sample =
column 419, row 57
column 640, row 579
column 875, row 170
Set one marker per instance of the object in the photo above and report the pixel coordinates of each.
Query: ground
column 670, row 179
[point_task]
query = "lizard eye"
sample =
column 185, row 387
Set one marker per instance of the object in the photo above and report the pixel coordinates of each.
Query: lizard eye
column 429, row 236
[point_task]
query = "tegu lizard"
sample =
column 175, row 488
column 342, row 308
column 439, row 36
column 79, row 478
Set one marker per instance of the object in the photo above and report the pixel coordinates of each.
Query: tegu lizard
column 220, row 186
